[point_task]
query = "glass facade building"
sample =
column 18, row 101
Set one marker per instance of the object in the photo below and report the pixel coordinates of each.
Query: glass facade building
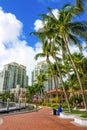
column 12, row 75
column 40, row 68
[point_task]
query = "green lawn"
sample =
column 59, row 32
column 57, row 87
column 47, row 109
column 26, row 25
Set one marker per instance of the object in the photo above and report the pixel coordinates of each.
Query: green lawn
column 83, row 113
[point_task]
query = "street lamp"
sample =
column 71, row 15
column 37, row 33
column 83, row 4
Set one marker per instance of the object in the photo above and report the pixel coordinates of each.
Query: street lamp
column 8, row 104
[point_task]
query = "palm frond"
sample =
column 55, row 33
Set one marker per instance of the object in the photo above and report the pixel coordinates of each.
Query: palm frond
column 69, row 14
column 79, row 6
column 39, row 55
column 47, row 17
column 82, row 25
column 81, row 34
column 74, row 39
column 66, row 6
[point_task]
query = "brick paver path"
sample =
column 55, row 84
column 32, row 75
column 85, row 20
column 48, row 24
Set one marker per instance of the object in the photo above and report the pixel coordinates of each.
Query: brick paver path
column 41, row 120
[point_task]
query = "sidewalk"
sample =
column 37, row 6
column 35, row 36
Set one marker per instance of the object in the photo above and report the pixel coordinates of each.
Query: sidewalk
column 41, row 120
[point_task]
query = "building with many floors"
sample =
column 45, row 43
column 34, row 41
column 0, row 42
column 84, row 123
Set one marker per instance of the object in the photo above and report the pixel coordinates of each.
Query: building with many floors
column 40, row 68
column 49, row 84
column 12, row 75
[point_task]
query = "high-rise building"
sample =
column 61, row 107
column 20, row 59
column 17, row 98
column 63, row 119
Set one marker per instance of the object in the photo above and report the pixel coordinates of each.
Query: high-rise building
column 40, row 68
column 49, row 84
column 12, row 75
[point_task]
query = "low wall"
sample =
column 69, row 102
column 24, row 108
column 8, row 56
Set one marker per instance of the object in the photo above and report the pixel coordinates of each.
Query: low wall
column 1, row 121
column 66, row 115
column 80, row 121
column 77, row 119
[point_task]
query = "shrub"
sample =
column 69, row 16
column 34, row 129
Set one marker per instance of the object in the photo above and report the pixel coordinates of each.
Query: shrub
column 54, row 105
column 54, row 100
column 64, row 105
column 48, row 104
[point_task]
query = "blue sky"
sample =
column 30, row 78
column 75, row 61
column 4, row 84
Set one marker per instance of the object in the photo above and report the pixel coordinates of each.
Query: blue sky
column 17, row 20
column 27, row 12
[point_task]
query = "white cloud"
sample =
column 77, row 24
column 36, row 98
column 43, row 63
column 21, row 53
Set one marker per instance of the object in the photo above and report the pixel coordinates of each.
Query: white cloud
column 56, row 13
column 12, row 49
column 10, row 27
column 74, row 48
column 38, row 24
column 84, row 50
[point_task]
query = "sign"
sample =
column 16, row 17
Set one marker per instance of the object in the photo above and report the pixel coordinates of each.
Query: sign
column 35, row 98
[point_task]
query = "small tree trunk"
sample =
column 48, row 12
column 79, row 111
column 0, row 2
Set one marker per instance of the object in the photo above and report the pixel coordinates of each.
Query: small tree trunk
column 52, row 76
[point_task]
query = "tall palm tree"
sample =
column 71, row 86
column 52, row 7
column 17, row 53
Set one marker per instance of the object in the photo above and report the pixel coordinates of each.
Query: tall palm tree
column 50, row 50
column 40, row 79
column 53, row 54
column 46, row 53
column 71, row 32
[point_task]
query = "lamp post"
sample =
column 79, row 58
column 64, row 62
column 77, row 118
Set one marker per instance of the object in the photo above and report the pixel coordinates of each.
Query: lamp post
column 8, row 104
column 35, row 100
column 19, row 103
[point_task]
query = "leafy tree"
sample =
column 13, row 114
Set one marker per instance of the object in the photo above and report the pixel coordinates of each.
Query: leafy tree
column 69, row 31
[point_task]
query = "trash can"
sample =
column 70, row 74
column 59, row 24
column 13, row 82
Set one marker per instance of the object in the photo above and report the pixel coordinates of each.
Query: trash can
column 54, row 111
column 59, row 110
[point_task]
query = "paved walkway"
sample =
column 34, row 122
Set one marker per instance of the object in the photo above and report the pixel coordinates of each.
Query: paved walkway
column 41, row 120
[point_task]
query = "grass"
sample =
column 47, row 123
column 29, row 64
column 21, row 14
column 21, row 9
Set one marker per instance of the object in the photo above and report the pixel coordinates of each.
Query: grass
column 84, row 116
column 82, row 113
column 78, row 112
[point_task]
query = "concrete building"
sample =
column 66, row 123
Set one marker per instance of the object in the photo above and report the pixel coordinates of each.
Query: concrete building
column 49, row 84
column 40, row 68
column 12, row 75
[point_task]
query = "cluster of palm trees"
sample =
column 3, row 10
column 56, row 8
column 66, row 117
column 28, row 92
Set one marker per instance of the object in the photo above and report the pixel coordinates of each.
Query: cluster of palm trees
column 56, row 35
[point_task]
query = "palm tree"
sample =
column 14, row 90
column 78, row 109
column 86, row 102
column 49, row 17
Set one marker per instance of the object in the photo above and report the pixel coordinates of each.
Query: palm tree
column 64, row 28
column 46, row 53
column 31, row 91
column 53, row 54
column 81, row 62
column 73, row 30
column 40, row 80
column 50, row 50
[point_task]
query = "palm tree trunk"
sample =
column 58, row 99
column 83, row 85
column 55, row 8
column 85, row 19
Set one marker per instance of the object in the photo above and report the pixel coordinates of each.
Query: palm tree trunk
column 77, row 74
column 53, row 77
column 62, row 85
column 50, row 81
column 56, row 87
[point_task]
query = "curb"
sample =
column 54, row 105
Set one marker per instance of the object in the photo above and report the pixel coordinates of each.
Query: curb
column 1, row 121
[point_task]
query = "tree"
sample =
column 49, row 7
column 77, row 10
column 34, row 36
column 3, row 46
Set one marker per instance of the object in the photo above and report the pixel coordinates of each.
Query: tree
column 69, row 31
column 66, row 31
column 49, row 49
column 31, row 91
